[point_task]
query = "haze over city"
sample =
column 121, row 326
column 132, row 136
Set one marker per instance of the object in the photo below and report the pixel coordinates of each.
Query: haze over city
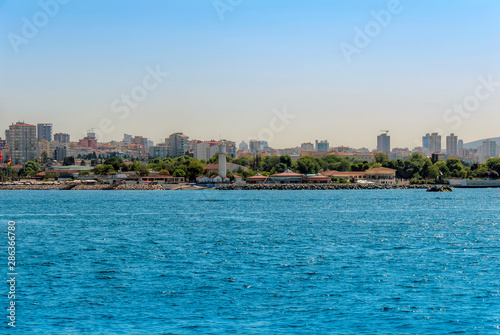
column 343, row 70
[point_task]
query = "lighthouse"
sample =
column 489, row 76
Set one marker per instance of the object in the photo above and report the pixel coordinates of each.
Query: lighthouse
column 222, row 160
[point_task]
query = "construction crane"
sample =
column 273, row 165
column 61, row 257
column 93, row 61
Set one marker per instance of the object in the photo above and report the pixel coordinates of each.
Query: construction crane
column 386, row 131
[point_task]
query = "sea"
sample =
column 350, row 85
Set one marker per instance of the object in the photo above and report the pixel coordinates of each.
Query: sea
column 251, row 262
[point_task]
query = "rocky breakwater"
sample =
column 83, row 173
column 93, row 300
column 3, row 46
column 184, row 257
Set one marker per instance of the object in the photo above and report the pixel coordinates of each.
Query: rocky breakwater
column 318, row 187
column 28, row 187
column 130, row 187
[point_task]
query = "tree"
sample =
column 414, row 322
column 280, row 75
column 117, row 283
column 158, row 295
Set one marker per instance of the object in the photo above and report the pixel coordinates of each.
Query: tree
column 70, row 160
column 381, row 158
column 194, row 169
column 493, row 164
column 231, row 176
column 455, row 167
column 104, row 169
column 287, row 160
column 308, row 165
column 45, row 157
column 179, row 173
column 31, row 168
column 82, row 163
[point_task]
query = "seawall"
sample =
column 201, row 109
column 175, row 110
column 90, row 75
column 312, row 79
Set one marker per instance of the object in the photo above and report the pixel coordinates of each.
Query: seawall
column 319, row 187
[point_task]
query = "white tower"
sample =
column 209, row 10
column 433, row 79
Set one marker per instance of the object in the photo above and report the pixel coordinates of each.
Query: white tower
column 222, row 160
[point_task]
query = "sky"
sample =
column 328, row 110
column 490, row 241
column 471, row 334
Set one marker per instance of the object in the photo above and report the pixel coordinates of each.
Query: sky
column 285, row 71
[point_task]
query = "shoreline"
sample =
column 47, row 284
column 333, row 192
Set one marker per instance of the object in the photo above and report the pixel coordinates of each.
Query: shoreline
column 223, row 187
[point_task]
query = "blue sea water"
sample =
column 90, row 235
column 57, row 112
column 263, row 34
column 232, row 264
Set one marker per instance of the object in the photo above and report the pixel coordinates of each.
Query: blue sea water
column 254, row 262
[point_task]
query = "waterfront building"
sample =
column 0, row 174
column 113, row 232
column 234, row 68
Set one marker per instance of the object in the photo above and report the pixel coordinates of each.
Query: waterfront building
column 44, row 132
column 287, row 177
column 318, row 179
column 384, row 143
column 61, row 137
column 381, row 175
column 22, row 142
column 452, row 145
column 257, row 179
column 347, row 175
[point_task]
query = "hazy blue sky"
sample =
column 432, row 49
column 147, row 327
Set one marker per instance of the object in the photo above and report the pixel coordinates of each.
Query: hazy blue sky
column 230, row 69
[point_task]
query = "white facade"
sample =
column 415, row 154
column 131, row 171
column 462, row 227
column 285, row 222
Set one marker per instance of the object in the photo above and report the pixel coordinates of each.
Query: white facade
column 222, row 160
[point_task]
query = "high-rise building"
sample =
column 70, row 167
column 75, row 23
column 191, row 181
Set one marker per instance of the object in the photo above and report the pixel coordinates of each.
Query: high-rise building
column 307, row 146
column 426, row 141
column 434, row 143
column 44, row 131
column 177, row 144
column 139, row 140
column 230, row 148
column 127, row 139
column 61, row 137
column 243, row 146
column 88, row 142
column 254, row 146
column 322, row 145
column 60, row 153
column 452, row 145
column 460, row 145
column 3, row 144
column 22, row 142
column 489, row 149
column 384, row 143
column 158, row 151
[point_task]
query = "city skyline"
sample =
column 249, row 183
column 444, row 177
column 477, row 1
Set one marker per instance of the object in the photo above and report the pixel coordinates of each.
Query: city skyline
column 432, row 142
column 162, row 67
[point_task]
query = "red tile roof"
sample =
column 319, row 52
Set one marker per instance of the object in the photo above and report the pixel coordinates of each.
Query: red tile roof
column 321, row 177
column 380, row 170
